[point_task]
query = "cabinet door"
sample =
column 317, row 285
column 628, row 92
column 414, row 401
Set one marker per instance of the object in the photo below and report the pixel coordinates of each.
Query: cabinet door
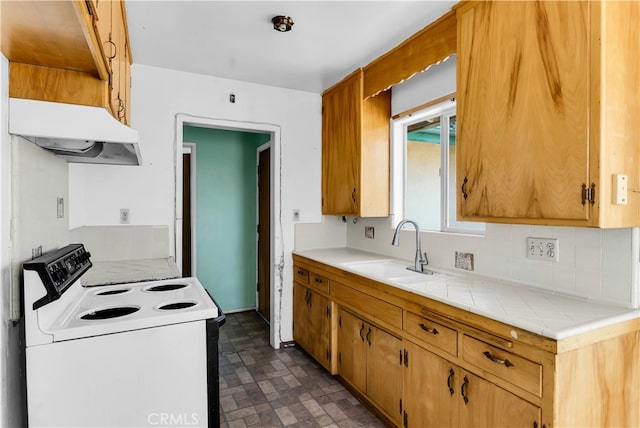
column 523, row 97
column 119, row 35
column 341, row 112
column 430, row 392
column 300, row 315
column 384, row 371
column 319, row 328
column 488, row 405
column 352, row 350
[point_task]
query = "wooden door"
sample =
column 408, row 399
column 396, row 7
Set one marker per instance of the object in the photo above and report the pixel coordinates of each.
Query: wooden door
column 352, row 350
column 341, row 113
column 431, row 389
column 384, row 371
column 319, row 328
column 300, row 315
column 488, row 405
column 264, row 233
column 186, row 214
column 523, row 119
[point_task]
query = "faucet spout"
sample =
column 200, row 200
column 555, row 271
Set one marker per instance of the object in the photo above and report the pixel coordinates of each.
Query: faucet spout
column 419, row 261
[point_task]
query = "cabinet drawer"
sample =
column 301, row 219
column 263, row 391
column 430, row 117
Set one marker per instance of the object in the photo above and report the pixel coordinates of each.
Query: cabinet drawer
column 319, row 282
column 300, row 275
column 519, row 371
column 374, row 308
column 432, row 333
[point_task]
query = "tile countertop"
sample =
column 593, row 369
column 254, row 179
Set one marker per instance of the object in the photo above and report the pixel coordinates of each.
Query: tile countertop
column 552, row 315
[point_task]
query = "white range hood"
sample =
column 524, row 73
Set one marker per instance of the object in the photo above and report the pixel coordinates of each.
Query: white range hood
column 76, row 133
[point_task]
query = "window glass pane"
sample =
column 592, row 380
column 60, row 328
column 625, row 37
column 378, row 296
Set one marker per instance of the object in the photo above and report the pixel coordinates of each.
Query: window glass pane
column 422, row 193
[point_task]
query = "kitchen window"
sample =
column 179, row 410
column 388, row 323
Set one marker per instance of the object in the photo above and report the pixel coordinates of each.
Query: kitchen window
column 424, row 170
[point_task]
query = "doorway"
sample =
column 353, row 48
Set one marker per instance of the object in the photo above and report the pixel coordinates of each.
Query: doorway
column 277, row 256
column 264, row 232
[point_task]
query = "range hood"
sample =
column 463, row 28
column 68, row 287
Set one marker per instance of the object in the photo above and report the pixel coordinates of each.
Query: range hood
column 76, row 133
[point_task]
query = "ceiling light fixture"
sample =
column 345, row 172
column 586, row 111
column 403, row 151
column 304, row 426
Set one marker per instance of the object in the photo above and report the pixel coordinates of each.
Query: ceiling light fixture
column 282, row 23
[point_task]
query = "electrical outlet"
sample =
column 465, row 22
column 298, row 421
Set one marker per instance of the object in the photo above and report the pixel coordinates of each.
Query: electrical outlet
column 369, row 232
column 546, row 249
column 296, row 215
column 124, row 216
column 464, row 261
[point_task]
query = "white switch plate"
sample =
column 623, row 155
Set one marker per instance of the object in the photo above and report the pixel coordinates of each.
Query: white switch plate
column 620, row 189
column 546, row 249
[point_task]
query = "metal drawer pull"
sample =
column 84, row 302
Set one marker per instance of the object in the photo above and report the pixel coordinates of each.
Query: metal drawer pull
column 361, row 329
column 300, row 272
column 429, row 330
column 463, row 390
column 449, row 379
column 319, row 280
column 504, row 362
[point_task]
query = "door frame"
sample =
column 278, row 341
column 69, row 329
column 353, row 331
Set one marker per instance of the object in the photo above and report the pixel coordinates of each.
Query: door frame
column 276, row 242
column 259, row 150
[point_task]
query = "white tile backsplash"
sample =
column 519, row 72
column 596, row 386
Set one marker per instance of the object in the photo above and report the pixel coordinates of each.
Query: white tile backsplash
column 597, row 264
column 110, row 243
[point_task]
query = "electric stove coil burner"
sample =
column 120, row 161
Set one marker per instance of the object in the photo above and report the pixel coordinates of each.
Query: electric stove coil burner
column 176, row 305
column 113, row 291
column 108, row 313
column 166, row 287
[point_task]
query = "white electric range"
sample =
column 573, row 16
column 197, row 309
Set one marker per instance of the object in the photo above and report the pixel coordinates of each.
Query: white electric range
column 125, row 355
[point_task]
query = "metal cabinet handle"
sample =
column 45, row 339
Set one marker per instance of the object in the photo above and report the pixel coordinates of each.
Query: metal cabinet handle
column 361, row 329
column 463, row 390
column 368, row 334
column 450, row 380
column 464, row 188
column 318, row 280
column 115, row 49
column 429, row 330
column 504, row 362
column 353, row 195
column 300, row 272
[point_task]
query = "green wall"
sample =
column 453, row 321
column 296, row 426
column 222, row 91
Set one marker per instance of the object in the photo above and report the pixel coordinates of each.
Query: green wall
column 226, row 212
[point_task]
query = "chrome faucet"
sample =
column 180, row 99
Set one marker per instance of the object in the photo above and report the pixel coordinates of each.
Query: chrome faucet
column 419, row 262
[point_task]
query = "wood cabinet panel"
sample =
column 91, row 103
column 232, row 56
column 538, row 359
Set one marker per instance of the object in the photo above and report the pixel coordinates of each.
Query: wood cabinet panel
column 352, row 350
column 378, row 310
column 519, row 371
column 543, row 90
column 312, row 323
column 488, row 405
column 384, row 372
column 319, row 283
column 431, row 332
column 355, row 150
column 523, row 97
column 430, row 397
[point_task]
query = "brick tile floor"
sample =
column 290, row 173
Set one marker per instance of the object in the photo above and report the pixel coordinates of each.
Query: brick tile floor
column 264, row 387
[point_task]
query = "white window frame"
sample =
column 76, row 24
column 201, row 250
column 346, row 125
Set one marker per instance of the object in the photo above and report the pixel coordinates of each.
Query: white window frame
column 399, row 128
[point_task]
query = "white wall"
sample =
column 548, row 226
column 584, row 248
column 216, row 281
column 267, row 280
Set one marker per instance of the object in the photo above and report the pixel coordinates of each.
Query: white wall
column 5, row 243
column 158, row 95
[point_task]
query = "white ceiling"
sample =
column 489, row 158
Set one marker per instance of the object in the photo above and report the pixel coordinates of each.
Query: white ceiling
column 236, row 40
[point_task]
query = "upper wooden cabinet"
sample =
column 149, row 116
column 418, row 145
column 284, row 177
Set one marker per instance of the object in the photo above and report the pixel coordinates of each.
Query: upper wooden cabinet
column 548, row 94
column 70, row 51
column 355, row 150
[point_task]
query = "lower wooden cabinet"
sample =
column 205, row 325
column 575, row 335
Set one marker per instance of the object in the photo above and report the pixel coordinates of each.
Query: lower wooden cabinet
column 312, row 323
column 438, row 393
column 370, row 359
